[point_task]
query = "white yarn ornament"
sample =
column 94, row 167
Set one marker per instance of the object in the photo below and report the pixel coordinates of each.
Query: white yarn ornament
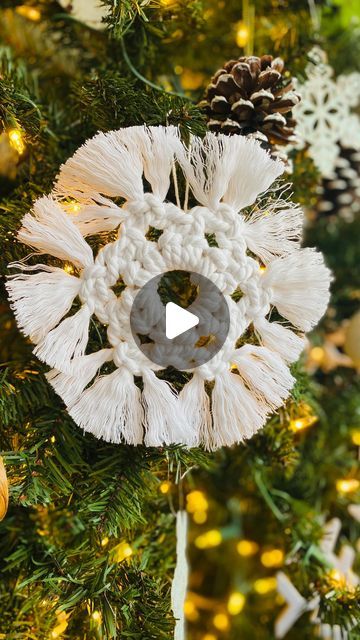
column 90, row 12
column 225, row 175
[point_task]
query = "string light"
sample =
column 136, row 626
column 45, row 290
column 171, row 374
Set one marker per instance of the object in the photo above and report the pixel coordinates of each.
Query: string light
column 31, row 13
column 165, row 487
column 317, row 355
column 209, row 539
column 236, row 603
column 304, row 419
column 337, row 579
column 104, row 541
column 209, row 636
column 190, row 610
column 197, row 505
column 347, row 485
column 221, row 621
column 16, row 139
column 62, row 624
column 246, row 548
column 355, row 437
column 265, row 585
column 96, row 616
column 74, row 207
column 69, row 268
column 121, row 552
column 272, row 558
column 242, row 34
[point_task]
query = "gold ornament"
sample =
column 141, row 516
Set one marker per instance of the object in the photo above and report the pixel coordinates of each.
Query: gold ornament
column 9, row 158
column 4, row 490
column 352, row 339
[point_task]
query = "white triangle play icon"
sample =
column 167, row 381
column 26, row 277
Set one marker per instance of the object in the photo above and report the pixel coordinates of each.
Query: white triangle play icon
column 178, row 320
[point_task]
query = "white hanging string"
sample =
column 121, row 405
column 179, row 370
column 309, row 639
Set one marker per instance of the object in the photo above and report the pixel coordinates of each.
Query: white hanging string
column 181, row 575
column 315, row 15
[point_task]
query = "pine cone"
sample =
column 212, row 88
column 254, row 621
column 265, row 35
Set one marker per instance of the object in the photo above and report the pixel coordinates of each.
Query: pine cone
column 252, row 96
column 340, row 195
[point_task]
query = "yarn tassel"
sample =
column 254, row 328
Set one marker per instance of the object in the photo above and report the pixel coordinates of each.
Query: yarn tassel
column 50, row 230
column 265, row 373
column 111, row 409
column 277, row 338
column 109, row 164
column 70, row 386
column 275, row 232
column 41, row 300
column 195, row 406
column 158, row 146
column 93, row 218
column 68, row 340
column 234, row 169
column 164, row 423
column 181, row 576
column 299, row 284
column 237, row 415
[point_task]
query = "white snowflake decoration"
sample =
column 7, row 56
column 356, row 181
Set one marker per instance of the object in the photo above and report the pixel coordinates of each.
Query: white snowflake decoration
column 225, row 174
column 297, row 605
column 324, row 118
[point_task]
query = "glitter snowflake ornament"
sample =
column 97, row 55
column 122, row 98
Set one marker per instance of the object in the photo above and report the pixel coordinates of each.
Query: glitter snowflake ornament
column 324, row 115
column 257, row 254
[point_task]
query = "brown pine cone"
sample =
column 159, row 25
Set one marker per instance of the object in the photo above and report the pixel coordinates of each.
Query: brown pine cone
column 252, row 96
column 339, row 196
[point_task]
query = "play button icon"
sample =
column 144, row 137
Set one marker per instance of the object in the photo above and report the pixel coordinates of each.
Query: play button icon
column 180, row 319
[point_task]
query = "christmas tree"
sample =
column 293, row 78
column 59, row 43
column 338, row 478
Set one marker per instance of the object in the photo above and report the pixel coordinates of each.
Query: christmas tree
column 88, row 524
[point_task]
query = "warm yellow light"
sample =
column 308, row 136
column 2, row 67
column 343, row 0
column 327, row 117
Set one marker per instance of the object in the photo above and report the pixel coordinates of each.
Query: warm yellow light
column 200, row 517
column 209, row 636
column 272, row 558
column 262, row 268
column 196, row 501
column 209, row 539
column 69, row 268
column 31, row 13
column 121, row 552
column 355, row 436
column 168, row 3
column 16, row 139
column 347, row 485
column 74, row 207
column 52, row 439
column 317, row 354
column 242, row 34
column 165, row 487
column 96, row 616
column 337, row 579
column 265, row 585
column 247, row 548
column 221, row 622
column 190, row 611
column 62, row 619
column 104, row 541
column 302, row 423
column 236, row 603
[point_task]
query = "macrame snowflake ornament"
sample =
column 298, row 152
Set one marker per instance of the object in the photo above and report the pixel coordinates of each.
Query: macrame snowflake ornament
column 297, row 605
column 325, row 121
column 257, row 254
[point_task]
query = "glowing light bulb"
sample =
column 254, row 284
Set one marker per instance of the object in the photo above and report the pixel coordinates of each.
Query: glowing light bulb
column 121, row 552
column 236, row 603
column 16, row 139
column 209, row 539
column 96, row 616
column 347, row 485
column 190, row 610
column 317, row 354
column 247, row 548
column 302, row 423
column 355, row 437
column 31, row 13
column 272, row 558
column 74, row 207
column 265, row 585
column 196, row 501
column 242, row 34
column 165, row 487
column 221, row 622
column 199, row 517
column 69, row 268
column 105, row 541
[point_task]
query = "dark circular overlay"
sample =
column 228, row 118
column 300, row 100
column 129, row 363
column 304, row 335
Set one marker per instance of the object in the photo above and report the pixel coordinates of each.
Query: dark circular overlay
column 192, row 292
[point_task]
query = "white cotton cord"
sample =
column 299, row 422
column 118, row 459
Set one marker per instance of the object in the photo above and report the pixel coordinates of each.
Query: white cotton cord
column 181, row 576
column 278, row 338
column 194, row 403
column 50, row 230
column 41, row 300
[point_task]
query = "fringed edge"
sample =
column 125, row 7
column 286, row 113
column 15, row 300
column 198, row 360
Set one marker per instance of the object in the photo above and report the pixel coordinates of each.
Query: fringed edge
column 300, row 287
column 158, row 146
column 40, row 300
column 277, row 338
column 194, row 404
column 164, row 424
column 232, row 169
column 68, row 340
column 275, row 231
column 111, row 409
column 93, row 218
column 70, row 386
column 50, row 230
